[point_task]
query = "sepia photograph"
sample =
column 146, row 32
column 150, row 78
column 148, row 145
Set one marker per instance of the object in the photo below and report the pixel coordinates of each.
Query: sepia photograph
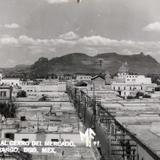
column 79, row 79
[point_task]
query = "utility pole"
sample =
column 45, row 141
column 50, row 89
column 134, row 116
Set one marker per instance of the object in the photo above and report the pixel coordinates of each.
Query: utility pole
column 100, row 61
column 94, row 106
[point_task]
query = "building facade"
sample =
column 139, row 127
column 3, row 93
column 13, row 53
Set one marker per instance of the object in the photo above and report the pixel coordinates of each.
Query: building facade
column 5, row 94
column 83, row 77
column 11, row 81
column 98, row 82
column 129, row 85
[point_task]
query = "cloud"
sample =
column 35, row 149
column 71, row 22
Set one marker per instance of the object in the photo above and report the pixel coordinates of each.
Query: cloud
column 152, row 27
column 10, row 26
column 57, row 1
column 69, row 36
column 7, row 40
column 57, row 42
column 127, row 47
column 91, row 44
column 24, row 39
column 69, row 40
column 97, row 40
column 27, row 40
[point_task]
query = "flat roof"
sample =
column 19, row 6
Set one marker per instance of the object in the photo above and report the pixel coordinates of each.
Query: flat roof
column 141, row 117
column 144, row 133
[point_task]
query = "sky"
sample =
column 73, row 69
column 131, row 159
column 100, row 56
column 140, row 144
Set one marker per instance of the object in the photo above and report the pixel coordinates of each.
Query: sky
column 30, row 29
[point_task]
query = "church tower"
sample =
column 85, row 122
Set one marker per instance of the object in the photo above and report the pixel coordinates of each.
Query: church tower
column 123, row 70
column 107, row 78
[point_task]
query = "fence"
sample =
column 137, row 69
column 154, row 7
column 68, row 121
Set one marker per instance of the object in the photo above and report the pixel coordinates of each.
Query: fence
column 116, row 141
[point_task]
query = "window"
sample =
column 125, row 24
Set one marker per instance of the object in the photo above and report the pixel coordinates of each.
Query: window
column 23, row 118
column 25, row 139
column 4, row 94
column 112, row 130
column 54, row 140
column 9, row 135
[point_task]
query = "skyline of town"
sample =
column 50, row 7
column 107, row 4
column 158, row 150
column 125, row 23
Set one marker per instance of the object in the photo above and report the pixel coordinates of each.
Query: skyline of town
column 80, row 79
column 119, row 109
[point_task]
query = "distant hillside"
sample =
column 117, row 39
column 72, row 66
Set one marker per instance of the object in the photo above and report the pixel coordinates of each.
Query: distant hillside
column 82, row 63
column 17, row 71
column 138, row 63
column 71, row 63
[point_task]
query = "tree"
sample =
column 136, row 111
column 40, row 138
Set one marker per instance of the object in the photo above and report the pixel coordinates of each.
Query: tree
column 22, row 93
column 43, row 98
column 139, row 94
column 8, row 110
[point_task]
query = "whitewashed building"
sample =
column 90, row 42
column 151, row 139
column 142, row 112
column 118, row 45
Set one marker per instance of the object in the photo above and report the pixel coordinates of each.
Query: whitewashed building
column 137, row 79
column 83, row 77
column 11, row 81
column 39, row 90
column 129, row 85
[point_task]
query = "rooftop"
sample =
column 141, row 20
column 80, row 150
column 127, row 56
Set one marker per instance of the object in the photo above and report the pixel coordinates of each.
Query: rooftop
column 140, row 116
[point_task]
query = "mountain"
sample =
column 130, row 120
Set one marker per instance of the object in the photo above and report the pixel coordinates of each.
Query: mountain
column 21, row 67
column 82, row 63
column 138, row 63
column 71, row 63
column 17, row 71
